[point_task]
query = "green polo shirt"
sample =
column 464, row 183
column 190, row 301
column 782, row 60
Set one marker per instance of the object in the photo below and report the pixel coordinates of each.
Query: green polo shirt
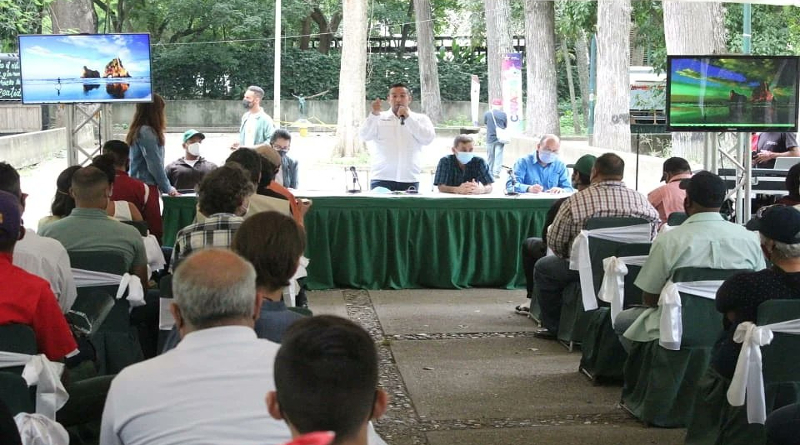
column 92, row 230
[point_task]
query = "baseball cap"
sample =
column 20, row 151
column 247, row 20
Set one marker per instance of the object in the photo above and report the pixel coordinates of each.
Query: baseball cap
column 584, row 164
column 10, row 216
column 705, row 188
column 780, row 223
column 675, row 164
column 497, row 102
column 188, row 134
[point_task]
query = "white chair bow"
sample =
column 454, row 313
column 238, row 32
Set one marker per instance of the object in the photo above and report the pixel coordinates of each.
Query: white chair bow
column 36, row 429
column 88, row 278
column 46, row 375
column 748, row 379
column 612, row 290
column 580, row 260
column 671, row 321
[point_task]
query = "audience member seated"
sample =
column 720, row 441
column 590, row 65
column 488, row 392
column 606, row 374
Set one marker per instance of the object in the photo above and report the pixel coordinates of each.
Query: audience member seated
column 607, row 196
column 63, row 202
column 223, row 197
column 783, row 424
column 43, row 257
column 669, row 197
column 250, row 161
column 187, row 171
column 119, row 210
column 541, row 171
column 535, row 248
column 89, row 229
column 326, row 379
column 26, row 298
column 281, row 141
column 705, row 239
column 792, row 186
column 269, row 187
column 133, row 190
column 462, row 172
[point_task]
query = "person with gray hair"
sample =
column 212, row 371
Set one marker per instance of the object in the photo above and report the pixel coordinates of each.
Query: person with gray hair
column 211, row 387
column 256, row 126
column 541, row 171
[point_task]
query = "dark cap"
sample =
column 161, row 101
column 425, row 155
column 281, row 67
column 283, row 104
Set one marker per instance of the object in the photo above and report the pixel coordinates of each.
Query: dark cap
column 10, row 216
column 780, row 223
column 675, row 165
column 584, row 164
column 705, row 188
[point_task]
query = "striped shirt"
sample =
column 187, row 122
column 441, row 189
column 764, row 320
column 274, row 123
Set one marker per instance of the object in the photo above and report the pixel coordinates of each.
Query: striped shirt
column 449, row 173
column 215, row 231
column 604, row 198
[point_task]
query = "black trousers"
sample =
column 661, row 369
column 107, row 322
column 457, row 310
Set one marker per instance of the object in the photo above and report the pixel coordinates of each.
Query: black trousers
column 532, row 250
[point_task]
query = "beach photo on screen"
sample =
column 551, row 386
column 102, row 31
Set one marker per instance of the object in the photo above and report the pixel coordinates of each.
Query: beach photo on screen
column 85, row 68
column 728, row 93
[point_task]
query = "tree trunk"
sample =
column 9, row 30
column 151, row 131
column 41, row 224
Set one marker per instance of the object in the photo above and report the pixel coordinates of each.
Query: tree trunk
column 611, row 127
column 352, row 79
column 405, row 30
column 73, row 16
column 305, row 30
column 576, row 121
column 540, row 54
column 428, row 67
column 498, row 39
column 582, row 61
column 705, row 22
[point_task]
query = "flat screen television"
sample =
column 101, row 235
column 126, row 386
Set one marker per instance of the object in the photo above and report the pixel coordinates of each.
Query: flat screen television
column 85, row 68
column 732, row 93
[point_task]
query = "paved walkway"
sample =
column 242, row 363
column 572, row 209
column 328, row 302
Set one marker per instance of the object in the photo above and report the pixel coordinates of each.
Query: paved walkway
column 462, row 368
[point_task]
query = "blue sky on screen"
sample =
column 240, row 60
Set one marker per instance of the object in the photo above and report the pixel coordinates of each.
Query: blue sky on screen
column 52, row 56
column 680, row 67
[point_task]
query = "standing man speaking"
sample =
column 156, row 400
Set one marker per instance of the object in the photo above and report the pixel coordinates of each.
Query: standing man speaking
column 398, row 136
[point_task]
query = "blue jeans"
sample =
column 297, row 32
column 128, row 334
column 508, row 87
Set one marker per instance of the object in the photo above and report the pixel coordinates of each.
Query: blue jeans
column 494, row 153
column 393, row 185
column 551, row 275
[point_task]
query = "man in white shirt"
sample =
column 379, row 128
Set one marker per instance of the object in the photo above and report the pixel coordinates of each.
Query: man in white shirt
column 256, row 126
column 397, row 137
column 43, row 257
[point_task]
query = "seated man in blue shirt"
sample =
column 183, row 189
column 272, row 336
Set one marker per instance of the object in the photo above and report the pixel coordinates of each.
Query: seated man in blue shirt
column 462, row 172
column 541, row 171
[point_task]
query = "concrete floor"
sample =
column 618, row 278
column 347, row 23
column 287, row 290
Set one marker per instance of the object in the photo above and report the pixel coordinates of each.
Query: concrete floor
column 468, row 371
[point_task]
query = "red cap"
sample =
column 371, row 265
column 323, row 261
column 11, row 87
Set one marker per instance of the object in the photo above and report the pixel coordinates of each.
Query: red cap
column 497, row 102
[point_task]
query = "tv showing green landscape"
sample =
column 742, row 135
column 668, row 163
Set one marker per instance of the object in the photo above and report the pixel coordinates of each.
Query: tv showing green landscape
column 732, row 93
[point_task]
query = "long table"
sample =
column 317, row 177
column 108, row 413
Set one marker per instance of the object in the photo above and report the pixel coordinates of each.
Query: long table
column 399, row 242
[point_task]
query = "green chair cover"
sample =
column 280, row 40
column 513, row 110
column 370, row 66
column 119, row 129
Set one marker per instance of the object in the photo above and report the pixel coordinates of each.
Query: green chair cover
column 715, row 421
column 659, row 384
column 116, row 341
column 14, row 391
column 603, row 356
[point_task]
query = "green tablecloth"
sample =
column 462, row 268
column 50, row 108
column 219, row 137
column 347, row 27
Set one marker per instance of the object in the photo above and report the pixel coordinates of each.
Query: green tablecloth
column 369, row 242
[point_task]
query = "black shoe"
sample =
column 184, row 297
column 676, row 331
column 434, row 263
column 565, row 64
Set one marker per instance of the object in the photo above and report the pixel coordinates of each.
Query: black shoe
column 545, row 334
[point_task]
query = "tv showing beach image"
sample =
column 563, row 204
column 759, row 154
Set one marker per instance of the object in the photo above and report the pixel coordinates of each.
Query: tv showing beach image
column 88, row 68
column 732, row 93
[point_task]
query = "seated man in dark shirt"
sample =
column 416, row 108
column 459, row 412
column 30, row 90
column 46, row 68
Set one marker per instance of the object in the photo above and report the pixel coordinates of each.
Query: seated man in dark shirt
column 462, row 172
column 534, row 248
column 186, row 172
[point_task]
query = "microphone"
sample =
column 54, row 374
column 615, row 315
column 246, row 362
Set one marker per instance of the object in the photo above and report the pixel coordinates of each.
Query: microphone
column 356, row 182
column 506, row 167
column 354, row 172
column 402, row 120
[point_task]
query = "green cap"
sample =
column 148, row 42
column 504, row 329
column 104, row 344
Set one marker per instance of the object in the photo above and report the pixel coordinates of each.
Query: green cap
column 188, row 134
column 584, row 164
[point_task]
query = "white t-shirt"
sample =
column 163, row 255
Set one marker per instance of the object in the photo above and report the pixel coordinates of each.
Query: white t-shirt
column 250, row 130
column 48, row 259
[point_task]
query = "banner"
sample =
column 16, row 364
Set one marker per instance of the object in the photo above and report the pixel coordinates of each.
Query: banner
column 511, row 83
column 474, row 97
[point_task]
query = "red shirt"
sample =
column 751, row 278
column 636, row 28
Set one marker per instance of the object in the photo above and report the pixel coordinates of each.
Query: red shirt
column 133, row 191
column 27, row 299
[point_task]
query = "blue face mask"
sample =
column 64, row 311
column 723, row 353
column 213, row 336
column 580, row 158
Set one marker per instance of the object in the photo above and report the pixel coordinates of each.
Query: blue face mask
column 547, row 157
column 464, row 156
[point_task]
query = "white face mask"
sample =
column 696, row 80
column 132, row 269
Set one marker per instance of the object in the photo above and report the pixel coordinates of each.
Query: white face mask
column 194, row 149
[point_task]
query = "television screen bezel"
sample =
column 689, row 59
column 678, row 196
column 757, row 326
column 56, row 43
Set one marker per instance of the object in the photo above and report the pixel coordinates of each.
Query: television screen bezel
column 114, row 101
column 744, row 128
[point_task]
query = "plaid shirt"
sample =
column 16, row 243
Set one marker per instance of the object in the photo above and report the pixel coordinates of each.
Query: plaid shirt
column 216, row 231
column 605, row 198
column 449, row 173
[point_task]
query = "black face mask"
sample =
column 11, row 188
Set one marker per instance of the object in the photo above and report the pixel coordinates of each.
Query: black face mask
column 247, row 104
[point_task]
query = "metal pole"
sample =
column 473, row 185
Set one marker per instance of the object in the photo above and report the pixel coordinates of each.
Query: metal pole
column 276, row 93
column 748, row 174
column 592, row 85
column 746, row 32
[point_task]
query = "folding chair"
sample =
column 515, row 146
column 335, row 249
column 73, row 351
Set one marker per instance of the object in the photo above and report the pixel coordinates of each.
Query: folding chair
column 676, row 218
column 14, row 391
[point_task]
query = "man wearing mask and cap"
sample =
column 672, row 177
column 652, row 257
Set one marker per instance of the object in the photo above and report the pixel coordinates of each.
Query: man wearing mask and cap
column 494, row 119
column 185, row 173
column 462, row 172
column 541, row 171
column 669, row 197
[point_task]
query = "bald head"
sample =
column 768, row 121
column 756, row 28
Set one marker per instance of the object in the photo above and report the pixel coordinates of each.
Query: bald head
column 90, row 188
column 214, row 287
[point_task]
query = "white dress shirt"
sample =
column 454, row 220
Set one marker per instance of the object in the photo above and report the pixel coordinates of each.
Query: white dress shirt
column 395, row 149
column 47, row 258
column 209, row 390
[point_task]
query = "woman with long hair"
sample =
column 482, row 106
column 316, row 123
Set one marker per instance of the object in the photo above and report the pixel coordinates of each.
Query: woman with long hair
column 146, row 139
column 63, row 202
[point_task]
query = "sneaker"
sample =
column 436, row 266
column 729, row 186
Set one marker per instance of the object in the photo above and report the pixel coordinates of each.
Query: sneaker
column 545, row 334
column 523, row 309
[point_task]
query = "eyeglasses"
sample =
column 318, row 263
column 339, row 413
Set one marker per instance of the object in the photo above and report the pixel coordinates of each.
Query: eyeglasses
column 280, row 147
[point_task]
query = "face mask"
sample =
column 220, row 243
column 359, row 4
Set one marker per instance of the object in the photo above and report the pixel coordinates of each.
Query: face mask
column 247, row 104
column 282, row 152
column 194, row 149
column 547, row 157
column 464, row 156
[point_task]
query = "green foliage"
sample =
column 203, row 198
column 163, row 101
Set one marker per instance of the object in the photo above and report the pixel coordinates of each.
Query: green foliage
column 19, row 17
column 648, row 19
column 775, row 29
